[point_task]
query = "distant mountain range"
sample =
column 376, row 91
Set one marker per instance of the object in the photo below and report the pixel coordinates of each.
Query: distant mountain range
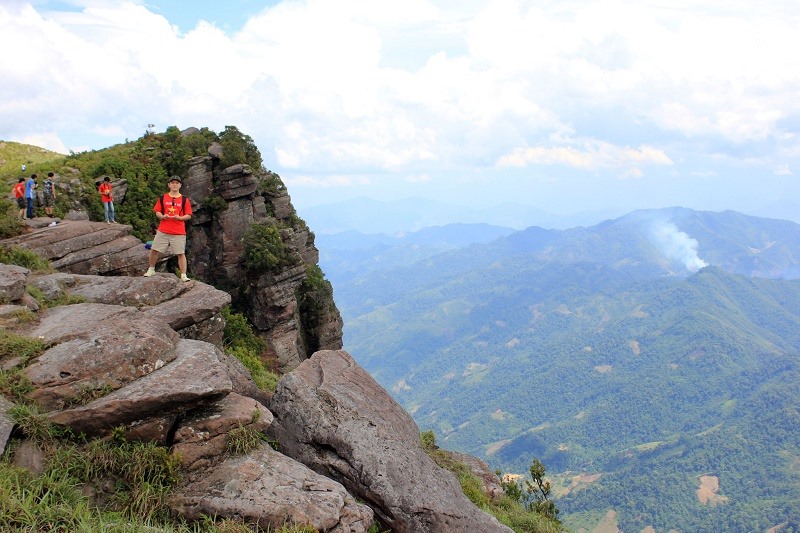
column 369, row 216
column 366, row 215
column 651, row 361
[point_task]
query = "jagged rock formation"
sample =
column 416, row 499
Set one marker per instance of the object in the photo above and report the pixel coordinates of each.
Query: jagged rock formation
column 142, row 355
column 227, row 202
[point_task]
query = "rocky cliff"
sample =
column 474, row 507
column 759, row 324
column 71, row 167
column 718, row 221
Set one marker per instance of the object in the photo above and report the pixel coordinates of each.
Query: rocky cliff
column 228, row 202
column 141, row 359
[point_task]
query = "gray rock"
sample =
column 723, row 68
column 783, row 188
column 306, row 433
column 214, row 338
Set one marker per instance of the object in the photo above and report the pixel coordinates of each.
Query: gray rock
column 331, row 415
column 267, row 488
column 30, row 456
column 199, row 304
column 62, row 323
column 202, row 438
column 112, row 290
column 99, row 357
column 6, row 424
column 195, row 377
column 12, row 282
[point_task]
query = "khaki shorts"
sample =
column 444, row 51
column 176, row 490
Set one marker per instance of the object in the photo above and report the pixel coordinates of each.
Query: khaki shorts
column 166, row 243
column 48, row 200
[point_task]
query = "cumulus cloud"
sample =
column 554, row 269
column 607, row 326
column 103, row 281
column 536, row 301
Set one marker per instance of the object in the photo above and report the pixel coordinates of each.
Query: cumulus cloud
column 591, row 156
column 424, row 87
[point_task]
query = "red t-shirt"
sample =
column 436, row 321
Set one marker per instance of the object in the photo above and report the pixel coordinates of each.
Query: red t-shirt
column 105, row 192
column 19, row 190
column 172, row 206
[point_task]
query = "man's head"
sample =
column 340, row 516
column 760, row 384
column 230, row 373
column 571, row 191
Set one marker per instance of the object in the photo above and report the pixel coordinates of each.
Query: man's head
column 34, row 176
column 174, row 183
column 21, row 180
column 107, row 179
column 50, row 174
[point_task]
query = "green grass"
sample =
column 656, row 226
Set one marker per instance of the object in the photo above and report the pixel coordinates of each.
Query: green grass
column 507, row 510
column 241, row 342
column 37, row 160
column 14, row 255
column 244, row 439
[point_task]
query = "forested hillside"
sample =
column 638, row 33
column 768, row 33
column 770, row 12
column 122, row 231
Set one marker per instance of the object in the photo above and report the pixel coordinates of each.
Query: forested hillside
column 649, row 361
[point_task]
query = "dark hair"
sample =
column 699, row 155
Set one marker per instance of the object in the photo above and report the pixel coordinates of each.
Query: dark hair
column 33, row 176
column 21, row 179
column 50, row 174
column 106, row 179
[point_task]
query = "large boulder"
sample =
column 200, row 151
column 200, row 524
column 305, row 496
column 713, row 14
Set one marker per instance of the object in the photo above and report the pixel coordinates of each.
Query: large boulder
column 98, row 356
column 331, row 415
column 12, row 282
column 271, row 490
column 192, row 309
column 197, row 376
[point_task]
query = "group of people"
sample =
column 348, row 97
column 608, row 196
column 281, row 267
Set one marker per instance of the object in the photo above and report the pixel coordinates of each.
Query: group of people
column 25, row 194
column 172, row 211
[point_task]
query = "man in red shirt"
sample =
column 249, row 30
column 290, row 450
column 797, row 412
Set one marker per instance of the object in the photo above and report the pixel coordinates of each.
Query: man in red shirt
column 173, row 210
column 19, row 194
column 106, row 191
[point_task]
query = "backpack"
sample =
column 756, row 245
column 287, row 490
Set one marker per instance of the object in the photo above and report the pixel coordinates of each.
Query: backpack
column 160, row 203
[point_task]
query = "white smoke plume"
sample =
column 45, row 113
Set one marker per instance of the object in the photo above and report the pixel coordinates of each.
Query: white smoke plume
column 677, row 246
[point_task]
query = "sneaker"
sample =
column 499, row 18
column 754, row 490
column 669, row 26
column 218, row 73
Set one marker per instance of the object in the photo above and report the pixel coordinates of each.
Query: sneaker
column 150, row 272
column 184, row 277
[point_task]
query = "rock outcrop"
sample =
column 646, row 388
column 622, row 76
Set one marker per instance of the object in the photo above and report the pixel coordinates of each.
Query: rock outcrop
column 331, row 415
column 227, row 202
column 117, row 361
column 123, row 366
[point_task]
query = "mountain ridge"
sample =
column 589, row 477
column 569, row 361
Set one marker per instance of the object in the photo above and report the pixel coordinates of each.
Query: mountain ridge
column 594, row 349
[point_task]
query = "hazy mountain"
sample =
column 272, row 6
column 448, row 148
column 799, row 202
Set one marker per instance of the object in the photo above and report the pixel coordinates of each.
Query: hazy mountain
column 366, row 215
column 350, row 254
column 643, row 359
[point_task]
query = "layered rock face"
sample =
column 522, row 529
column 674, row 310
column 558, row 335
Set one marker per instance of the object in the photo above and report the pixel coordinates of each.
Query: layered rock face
column 141, row 356
column 226, row 203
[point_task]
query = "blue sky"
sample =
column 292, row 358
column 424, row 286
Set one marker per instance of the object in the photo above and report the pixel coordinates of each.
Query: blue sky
column 564, row 105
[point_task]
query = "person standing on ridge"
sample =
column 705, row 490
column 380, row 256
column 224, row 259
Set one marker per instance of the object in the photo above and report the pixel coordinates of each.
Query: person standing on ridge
column 30, row 194
column 19, row 194
column 107, row 196
column 172, row 210
column 49, row 194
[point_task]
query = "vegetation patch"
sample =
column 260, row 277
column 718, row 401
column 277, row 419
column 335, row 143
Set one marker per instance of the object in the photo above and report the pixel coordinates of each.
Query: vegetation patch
column 264, row 249
column 241, row 342
column 524, row 512
column 315, row 298
column 244, row 439
column 14, row 255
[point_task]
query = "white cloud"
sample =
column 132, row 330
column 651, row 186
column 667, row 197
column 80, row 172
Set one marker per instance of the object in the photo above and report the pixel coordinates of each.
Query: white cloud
column 783, row 170
column 424, row 87
column 325, row 181
column 592, row 155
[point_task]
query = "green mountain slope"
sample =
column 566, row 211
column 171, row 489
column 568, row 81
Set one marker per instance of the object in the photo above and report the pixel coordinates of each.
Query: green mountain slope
column 597, row 352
